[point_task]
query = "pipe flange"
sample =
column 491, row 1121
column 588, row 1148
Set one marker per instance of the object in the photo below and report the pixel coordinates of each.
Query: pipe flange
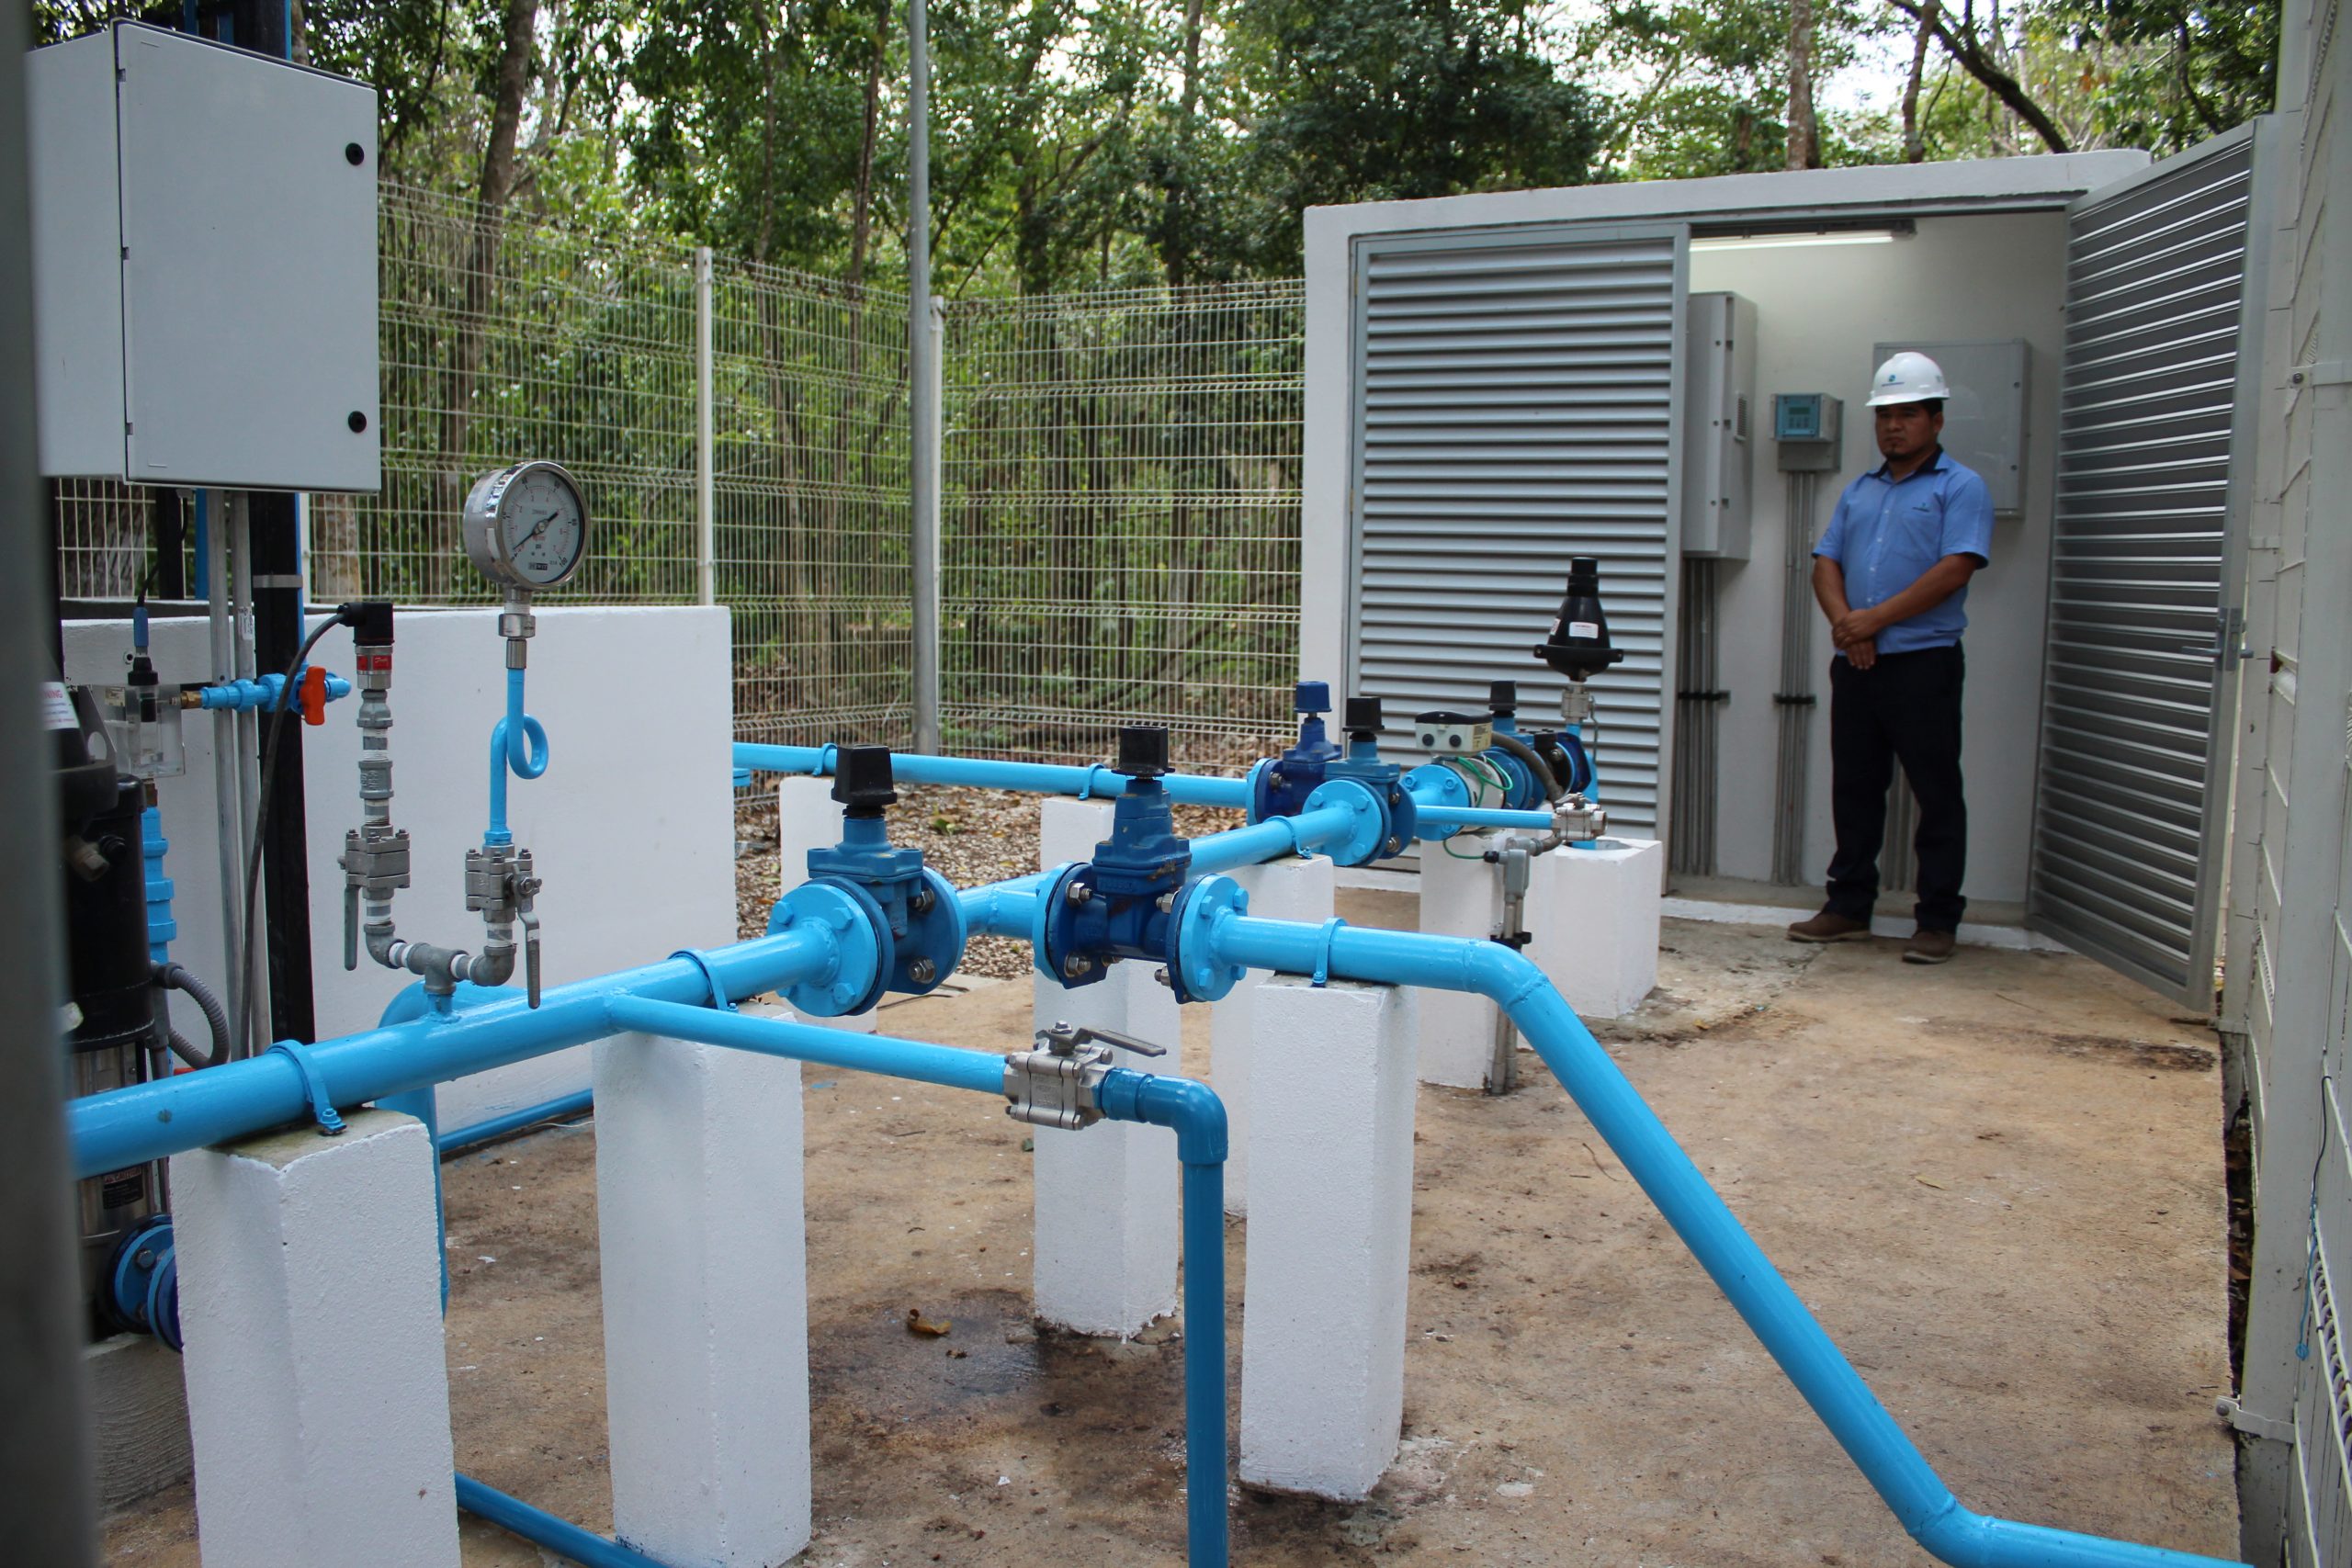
column 1255, row 793
column 1194, row 971
column 1370, row 836
column 935, row 942
column 1044, row 951
column 864, row 952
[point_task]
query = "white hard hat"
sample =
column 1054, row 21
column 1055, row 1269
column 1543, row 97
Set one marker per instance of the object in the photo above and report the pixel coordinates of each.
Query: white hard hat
column 1908, row 377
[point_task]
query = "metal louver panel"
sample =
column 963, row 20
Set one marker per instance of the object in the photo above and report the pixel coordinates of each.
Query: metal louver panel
column 1517, row 396
column 2127, row 821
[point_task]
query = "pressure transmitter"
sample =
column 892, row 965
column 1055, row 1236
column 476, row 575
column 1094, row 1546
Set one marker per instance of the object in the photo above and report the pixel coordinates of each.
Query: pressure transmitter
column 525, row 526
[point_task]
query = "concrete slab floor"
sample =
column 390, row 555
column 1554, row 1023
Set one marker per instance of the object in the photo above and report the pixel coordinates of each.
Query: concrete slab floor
column 1998, row 1183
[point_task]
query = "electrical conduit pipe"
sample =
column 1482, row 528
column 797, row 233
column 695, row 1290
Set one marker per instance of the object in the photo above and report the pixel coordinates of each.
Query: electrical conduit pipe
column 1862, row 1425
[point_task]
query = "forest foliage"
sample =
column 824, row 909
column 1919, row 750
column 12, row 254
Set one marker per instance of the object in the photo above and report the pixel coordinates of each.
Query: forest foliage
column 1081, row 143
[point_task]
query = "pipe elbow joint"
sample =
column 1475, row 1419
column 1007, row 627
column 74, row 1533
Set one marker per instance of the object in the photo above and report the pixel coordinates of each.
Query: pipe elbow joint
column 1187, row 1106
column 493, row 965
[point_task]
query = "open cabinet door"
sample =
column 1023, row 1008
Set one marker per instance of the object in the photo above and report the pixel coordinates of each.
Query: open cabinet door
column 1517, row 402
column 2155, row 419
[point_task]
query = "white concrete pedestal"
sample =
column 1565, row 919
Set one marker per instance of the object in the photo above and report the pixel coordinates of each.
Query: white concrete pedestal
column 809, row 818
column 1464, row 898
column 1108, row 1200
column 1593, row 916
column 705, row 1290
column 318, row 1393
column 1331, row 1133
column 1288, row 889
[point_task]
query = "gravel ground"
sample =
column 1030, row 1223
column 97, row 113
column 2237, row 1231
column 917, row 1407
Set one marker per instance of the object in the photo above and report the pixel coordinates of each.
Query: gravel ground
column 969, row 836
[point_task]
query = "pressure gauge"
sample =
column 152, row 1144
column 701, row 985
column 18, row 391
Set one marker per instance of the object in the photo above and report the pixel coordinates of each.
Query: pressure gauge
column 526, row 527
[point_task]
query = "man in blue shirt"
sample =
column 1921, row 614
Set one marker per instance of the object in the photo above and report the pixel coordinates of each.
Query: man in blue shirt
column 1891, row 574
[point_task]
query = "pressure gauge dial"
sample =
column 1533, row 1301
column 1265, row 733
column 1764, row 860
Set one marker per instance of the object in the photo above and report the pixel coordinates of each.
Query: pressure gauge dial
column 526, row 527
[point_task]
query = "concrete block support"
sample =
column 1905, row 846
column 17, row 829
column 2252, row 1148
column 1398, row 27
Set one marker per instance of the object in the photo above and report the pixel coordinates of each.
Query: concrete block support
column 1593, row 914
column 1459, row 898
column 698, row 1209
column 318, row 1393
column 807, row 817
column 1108, row 1200
column 1331, row 1131
column 1289, row 889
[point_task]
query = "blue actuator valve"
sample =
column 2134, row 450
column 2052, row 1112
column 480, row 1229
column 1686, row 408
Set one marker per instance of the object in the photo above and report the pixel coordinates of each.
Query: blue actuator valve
column 918, row 920
column 1121, row 904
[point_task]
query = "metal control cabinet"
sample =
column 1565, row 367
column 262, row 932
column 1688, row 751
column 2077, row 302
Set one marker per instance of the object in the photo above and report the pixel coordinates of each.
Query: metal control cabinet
column 1718, row 424
column 1984, row 416
column 204, row 265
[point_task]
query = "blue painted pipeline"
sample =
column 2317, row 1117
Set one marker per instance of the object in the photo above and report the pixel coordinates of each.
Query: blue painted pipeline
column 1034, row 778
column 1191, row 1109
column 519, row 744
column 1275, row 836
column 1877, row 1445
column 259, row 694
column 561, row 1537
column 161, row 926
column 144, row 1122
column 1001, row 909
column 562, row 1108
column 1442, row 800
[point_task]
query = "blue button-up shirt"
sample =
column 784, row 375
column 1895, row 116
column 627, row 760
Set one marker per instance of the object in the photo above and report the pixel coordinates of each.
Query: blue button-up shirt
column 1886, row 533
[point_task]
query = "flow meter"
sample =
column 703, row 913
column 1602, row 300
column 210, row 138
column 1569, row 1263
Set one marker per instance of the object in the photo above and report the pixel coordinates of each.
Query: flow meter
column 526, row 527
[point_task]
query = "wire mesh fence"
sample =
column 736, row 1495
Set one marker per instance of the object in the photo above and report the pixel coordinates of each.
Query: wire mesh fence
column 1120, row 515
column 1119, row 527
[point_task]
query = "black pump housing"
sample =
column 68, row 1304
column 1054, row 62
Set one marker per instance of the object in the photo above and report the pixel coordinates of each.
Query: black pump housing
column 1580, row 646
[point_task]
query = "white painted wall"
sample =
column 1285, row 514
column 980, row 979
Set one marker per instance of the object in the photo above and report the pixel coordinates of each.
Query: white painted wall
column 632, row 828
column 1985, row 264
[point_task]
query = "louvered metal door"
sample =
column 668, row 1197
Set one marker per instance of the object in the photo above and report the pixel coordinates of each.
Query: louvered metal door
column 1517, row 403
column 2156, row 414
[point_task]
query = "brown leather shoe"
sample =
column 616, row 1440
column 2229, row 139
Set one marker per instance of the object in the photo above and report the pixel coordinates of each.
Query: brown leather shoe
column 1927, row 947
column 1829, row 926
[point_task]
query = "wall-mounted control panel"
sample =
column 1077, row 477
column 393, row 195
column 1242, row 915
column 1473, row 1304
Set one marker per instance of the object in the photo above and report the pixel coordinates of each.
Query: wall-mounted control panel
column 204, row 265
column 1807, row 428
column 1719, row 339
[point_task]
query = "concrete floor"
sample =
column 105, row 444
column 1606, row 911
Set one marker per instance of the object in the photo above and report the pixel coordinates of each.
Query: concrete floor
column 1998, row 1183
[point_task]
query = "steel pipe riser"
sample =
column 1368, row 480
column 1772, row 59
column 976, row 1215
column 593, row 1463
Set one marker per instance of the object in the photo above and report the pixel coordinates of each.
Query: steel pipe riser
column 980, row 773
column 1811, row 1360
column 152, row 1121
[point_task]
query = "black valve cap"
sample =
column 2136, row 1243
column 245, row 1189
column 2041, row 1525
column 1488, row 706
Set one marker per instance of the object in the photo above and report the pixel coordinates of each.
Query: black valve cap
column 1363, row 716
column 1143, row 750
column 1502, row 697
column 862, row 781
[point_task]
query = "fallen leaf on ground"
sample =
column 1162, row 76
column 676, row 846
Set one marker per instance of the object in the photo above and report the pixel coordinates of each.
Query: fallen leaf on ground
column 918, row 1324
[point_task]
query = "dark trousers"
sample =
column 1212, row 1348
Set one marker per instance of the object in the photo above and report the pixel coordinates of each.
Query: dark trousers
column 1904, row 708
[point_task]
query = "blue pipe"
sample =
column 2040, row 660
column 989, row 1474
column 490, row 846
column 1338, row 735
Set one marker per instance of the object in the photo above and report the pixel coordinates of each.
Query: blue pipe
column 561, row 1537
column 1276, row 836
column 560, row 1109
column 150, row 1120
column 517, row 743
column 1003, row 909
column 1869, row 1436
column 259, row 694
column 1034, row 778
column 1191, row 1109
column 161, row 926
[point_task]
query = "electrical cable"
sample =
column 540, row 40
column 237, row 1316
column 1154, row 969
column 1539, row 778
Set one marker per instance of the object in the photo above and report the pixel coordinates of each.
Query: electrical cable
column 1533, row 760
column 341, row 616
column 173, row 978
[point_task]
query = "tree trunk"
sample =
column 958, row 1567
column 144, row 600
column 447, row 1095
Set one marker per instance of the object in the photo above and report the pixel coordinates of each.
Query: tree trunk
column 1175, row 221
column 516, row 35
column 1915, row 144
column 1968, row 50
column 1804, row 137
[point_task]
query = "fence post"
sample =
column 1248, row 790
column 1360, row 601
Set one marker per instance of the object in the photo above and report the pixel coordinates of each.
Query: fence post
column 929, row 425
column 706, row 462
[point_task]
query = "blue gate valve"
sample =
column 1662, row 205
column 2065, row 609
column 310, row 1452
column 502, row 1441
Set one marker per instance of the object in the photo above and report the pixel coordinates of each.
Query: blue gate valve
column 1374, row 789
column 1280, row 785
column 918, row 920
column 1122, row 903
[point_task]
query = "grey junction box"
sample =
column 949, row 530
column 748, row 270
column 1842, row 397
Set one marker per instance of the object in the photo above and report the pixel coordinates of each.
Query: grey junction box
column 204, row 265
column 1984, row 416
column 1718, row 424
